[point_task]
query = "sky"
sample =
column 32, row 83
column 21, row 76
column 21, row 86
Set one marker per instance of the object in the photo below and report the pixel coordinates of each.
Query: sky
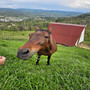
column 62, row 5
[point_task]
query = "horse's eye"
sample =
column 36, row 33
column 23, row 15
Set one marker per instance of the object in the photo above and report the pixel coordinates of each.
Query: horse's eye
column 46, row 36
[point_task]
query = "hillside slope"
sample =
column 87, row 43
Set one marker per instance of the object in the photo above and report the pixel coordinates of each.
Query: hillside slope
column 69, row 70
column 81, row 19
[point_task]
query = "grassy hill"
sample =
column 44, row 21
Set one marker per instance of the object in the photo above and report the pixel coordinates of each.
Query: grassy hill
column 36, row 13
column 69, row 68
column 81, row 19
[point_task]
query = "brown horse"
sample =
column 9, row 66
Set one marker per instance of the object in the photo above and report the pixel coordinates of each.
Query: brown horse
column 40, row 42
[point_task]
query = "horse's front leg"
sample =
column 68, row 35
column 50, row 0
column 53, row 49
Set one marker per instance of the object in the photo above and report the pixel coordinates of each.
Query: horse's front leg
column 48, row 61
column 37, row 63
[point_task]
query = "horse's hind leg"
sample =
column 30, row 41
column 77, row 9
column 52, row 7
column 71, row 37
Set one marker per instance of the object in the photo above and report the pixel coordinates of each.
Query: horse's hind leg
column 48, row 62
column 37, row 63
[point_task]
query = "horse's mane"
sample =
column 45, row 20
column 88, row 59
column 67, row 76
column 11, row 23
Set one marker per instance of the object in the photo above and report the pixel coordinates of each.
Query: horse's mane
column 44, row 30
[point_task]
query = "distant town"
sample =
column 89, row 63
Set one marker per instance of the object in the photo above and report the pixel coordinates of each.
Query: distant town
column 13, row 19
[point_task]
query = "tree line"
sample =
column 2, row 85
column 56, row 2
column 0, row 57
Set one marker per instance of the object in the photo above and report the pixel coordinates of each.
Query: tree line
column 26, row 25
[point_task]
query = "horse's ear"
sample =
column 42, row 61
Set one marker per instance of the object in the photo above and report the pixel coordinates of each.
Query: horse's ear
column 36, row 28
column 50, row 30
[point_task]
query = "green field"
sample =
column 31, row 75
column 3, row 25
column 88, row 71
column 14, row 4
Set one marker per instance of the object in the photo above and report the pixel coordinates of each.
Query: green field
column 87, row 35
column 69, row 70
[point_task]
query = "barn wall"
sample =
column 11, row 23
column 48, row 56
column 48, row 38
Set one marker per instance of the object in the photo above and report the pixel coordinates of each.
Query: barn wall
column 68, row 34
column 81, row 39
column 82, row 36
column 76, row 43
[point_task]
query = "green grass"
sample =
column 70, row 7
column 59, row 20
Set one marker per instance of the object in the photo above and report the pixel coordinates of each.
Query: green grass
column 87, row 35
column 15, row 35
column 69, row 70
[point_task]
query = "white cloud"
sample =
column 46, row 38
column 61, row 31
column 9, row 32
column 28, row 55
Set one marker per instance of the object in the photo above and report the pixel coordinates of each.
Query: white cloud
column 6, row 4
column 34, row 1
column 46, row 4
column 77, row 3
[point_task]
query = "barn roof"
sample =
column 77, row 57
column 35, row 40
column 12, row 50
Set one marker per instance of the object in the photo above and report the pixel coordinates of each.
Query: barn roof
column 66, row 34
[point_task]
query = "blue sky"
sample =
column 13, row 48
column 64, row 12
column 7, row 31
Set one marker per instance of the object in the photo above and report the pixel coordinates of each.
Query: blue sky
column 62, row 5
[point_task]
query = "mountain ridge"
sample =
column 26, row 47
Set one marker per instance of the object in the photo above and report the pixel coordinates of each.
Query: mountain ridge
column 37, row 13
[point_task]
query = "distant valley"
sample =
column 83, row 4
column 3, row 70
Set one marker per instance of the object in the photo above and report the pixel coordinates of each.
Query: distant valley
column 36, row 13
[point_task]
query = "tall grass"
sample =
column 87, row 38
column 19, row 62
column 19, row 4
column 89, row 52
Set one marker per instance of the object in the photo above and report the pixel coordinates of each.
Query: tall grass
column 69, row 70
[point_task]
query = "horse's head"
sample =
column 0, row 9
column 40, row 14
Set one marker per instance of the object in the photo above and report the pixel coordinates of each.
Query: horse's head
column 37, row 40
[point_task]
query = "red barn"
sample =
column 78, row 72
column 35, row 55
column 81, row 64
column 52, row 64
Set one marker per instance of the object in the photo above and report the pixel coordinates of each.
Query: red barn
column 68, row 34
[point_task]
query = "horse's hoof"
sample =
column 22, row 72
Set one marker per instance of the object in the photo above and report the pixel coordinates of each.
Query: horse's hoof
column 48, row 64
column 37, row 64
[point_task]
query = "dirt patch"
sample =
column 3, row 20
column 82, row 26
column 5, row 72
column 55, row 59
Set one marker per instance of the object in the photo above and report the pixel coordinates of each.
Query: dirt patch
column 84, row 46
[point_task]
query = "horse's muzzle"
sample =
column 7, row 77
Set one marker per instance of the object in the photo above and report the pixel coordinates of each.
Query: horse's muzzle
column 23, row 54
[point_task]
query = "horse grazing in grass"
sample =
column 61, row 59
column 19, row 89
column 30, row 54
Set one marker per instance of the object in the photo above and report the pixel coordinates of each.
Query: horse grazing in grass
column 40, row 42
